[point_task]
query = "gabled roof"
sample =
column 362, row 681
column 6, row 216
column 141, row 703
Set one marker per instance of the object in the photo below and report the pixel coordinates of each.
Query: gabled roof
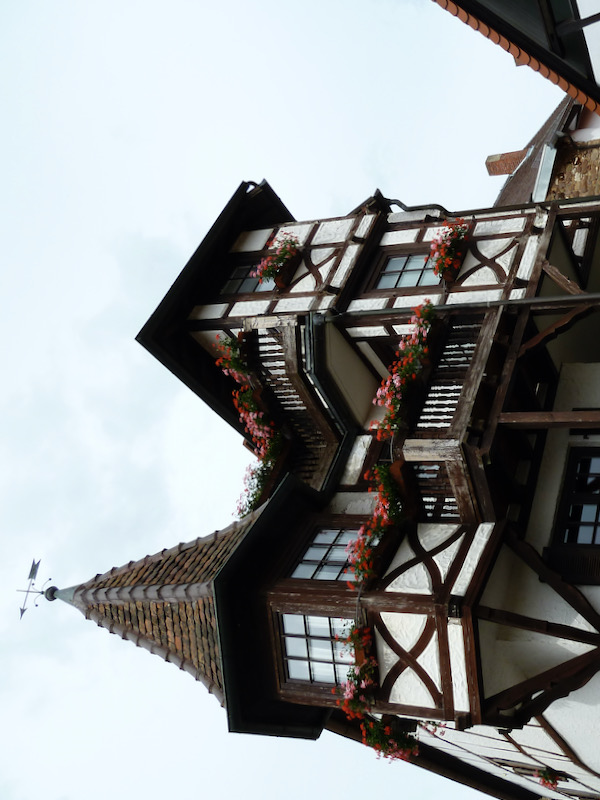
column 165, row 603
column 165, row 334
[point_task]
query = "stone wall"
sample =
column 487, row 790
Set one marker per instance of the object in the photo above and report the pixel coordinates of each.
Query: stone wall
column 576, row 171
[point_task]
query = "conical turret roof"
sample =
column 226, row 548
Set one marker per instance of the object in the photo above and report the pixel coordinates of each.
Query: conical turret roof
column 165, row 602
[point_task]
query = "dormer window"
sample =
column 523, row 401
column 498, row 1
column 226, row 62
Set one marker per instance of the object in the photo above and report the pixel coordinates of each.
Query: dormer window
column 326, row 558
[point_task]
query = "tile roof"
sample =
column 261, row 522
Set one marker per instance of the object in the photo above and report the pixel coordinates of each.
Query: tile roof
column 165, row 602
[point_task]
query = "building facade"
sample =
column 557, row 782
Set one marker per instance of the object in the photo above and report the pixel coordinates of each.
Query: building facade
column 480, row 604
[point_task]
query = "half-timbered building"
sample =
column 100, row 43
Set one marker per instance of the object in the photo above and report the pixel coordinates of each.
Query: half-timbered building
column 484, row 597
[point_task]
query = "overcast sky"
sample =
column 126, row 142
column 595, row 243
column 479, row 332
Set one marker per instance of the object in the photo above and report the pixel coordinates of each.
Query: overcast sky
column 126, row 128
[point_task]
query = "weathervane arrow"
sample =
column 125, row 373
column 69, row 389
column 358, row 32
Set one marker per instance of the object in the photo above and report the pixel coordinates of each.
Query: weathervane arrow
column 30, row 590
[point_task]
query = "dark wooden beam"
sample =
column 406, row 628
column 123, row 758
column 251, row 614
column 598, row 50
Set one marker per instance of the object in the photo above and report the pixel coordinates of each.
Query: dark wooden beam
column 561, row 280
column 505, row 382
column 565, row 320
column 510, row 619
column 551, row 419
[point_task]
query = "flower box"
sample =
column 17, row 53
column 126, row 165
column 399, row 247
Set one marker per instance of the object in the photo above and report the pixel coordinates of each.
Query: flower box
column 286, row 273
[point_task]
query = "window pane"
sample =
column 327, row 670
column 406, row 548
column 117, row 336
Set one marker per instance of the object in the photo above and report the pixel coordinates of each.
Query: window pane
column 342, row 652
column 339, row 626
column 314, row 554
column 325, row 537
column 268, row 285
column 296, row 647
column 320, row 649
column 318, row 626
column 321, row 672
column 585, row 534
column 298, row 670
column 293, row 623
column 328, row 572
column 387, row 282
column 408, row 279
column 304, row 571
column 338, row 554
column 248, row 285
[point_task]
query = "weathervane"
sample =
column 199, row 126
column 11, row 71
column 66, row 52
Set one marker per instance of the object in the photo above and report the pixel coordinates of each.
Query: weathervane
column 30, row 590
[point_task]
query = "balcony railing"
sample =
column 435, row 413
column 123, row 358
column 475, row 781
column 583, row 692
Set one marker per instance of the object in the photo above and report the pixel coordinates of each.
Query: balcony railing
column 274, row 354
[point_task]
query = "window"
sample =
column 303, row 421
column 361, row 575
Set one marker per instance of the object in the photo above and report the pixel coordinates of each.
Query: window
column 310, row 650
column 579, row 511
column 406, row 271
column 242, row 282
column 326, row 558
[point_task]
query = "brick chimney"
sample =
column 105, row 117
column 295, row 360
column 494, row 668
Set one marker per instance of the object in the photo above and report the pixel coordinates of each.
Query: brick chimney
column 505, row 163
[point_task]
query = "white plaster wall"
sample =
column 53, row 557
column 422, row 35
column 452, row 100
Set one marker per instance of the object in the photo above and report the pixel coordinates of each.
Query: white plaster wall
column 300, row 230
column 361, row 503
column 399, row 237
column 322, row 256
column 482, row 277
column 288, row 304
column 326, row 302
column 406, row 629
column 474, row 297
column 355, row 465
column 367, row 331
column 528, row 258
column 465, row 576
column 458, row 666
column 577, row 718
column 364, row 226
column 354, row 380
column 411, row 301
column 416, row 579
column 251, row 241
column 511, row 225
column 250, row 308
column 367, row 302
column 346, row 263
column 333, row 231
column 414, row 216
column 514, row 587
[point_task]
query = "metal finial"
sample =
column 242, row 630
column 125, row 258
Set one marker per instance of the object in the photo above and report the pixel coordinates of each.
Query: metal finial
column 30, row 588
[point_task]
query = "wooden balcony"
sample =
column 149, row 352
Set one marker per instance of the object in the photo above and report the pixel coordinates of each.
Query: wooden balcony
column 447, row 467
column 274, row 351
